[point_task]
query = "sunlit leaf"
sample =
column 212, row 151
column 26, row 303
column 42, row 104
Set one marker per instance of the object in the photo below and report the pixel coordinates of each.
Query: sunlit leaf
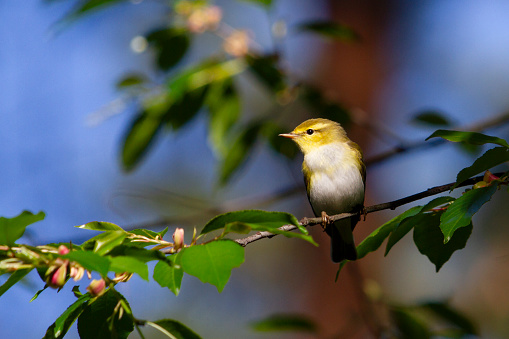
column 431, row 118
column 169, row 276
column 100, row 226
column 173, row 329
column 490, row 159
column 212, row 262
column 122, row 264
column 238, row 152
column 407, row 224
column 90, row 261
column 224, row 107
column 286, row 322
column 99, row 320
column 141, row 254
column 430, row 241
column 331, row 30
column 373, row 241
column 460, row 213
column 15, row 277
column 64, row 322
column 473, row 138
column 171, row 44
column 11, row 229
column 107, row 241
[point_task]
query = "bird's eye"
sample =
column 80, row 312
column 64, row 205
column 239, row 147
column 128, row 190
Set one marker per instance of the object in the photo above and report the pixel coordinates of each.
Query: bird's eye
column 310, row 131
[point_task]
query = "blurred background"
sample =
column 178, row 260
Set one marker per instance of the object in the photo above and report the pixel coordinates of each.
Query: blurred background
column 63, row 121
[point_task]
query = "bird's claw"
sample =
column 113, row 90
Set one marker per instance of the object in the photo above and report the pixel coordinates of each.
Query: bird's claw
column 326, row 220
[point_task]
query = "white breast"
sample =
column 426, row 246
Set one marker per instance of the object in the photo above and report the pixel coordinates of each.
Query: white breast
column 336, row 183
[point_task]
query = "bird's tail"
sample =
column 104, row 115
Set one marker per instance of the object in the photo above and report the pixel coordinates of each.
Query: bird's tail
column 342, row 242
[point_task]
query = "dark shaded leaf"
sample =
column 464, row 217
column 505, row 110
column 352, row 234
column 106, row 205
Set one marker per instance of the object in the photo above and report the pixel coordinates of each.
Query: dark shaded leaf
column 430, row 241
column 171, row 44
column 452, row 316
column 238, row 152
column 286, row 322
column 169, row 276
column 185, row 108
column 64, row 322
column 408, row 223
column 490, row 159
column 408, row 326
column 212, row 262
column 173, row 329
column 15, row 277
column 131, row 80
column 460, row 213
column 99, row 320
column 141, row 254
column 281, row 145
column 472, row 138
column 252, row 217
column 322, row 107
column 431, row 118
column 265, row 68
column 266, row 3
column 373, row 241
column 331, row 30
column 11, row 229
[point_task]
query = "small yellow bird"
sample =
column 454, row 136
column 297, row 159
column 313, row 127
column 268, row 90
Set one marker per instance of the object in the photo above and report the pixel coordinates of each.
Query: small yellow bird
column 335, row 177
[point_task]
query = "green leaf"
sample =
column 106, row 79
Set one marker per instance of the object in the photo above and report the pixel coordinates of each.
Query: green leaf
column 90, row 261
column 64, row 322
column 491, row 158
column 122, row 264
column 238, row 152
column 100, row 320
column 373, row 241
column 107, row 241
column 265, row 68
column 149, row 234
column 331, row 30
column 286, row 322
column 409, row 327
column 171, row 44
column 100, row 226
column 472, row 138
column 169, row 276
column 224, row 107
column 173, row 329
column 408, row 223
column 140, row 136
column 15, row 277
column 452, row 316
column 36, row 295
column 460, row 213
column 266, row 3
column 431, row 118
column 141, row 254
column 252, row 218
column 430, row 241
column 11, row 229
column 89, row 6
column 184, row 108
column 131, row 80
column 212, row 262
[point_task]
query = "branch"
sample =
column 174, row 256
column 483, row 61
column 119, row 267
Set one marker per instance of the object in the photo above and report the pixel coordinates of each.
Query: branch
column 370, row 209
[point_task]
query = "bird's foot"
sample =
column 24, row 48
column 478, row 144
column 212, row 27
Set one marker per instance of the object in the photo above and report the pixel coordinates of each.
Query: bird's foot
column 326, row 220
column 364, row 212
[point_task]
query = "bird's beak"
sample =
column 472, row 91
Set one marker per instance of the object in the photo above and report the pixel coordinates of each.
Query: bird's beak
column 288, row 135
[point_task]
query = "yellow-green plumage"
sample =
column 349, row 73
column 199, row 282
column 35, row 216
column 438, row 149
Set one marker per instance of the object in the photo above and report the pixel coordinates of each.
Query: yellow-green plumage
column 335, row 175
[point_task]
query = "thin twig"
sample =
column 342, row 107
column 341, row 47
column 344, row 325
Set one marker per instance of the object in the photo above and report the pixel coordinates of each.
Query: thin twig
column 370, row 209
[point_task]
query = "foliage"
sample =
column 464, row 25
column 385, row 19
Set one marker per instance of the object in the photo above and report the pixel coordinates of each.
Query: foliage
column 210, row 87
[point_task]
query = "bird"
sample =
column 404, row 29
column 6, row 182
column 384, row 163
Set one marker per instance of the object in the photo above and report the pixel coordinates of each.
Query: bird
column 335, row 178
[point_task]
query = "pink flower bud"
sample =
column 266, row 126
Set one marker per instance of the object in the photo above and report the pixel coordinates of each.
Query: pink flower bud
column 178, row 239
column 57, row 276
column 63, row 250
column 96, row 287
column 489, row 177
column 77, row 273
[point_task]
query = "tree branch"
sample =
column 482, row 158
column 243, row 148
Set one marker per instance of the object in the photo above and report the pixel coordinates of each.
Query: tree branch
column 370, row 209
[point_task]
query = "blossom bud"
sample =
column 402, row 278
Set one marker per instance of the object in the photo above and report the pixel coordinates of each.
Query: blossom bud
column 96, row 287
column 56, row 277
column 63, row 250
column 489, row 177
column 122, row 277
column 178, row 239
column 77, row 273
column 237, row 44
column 480, row 184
